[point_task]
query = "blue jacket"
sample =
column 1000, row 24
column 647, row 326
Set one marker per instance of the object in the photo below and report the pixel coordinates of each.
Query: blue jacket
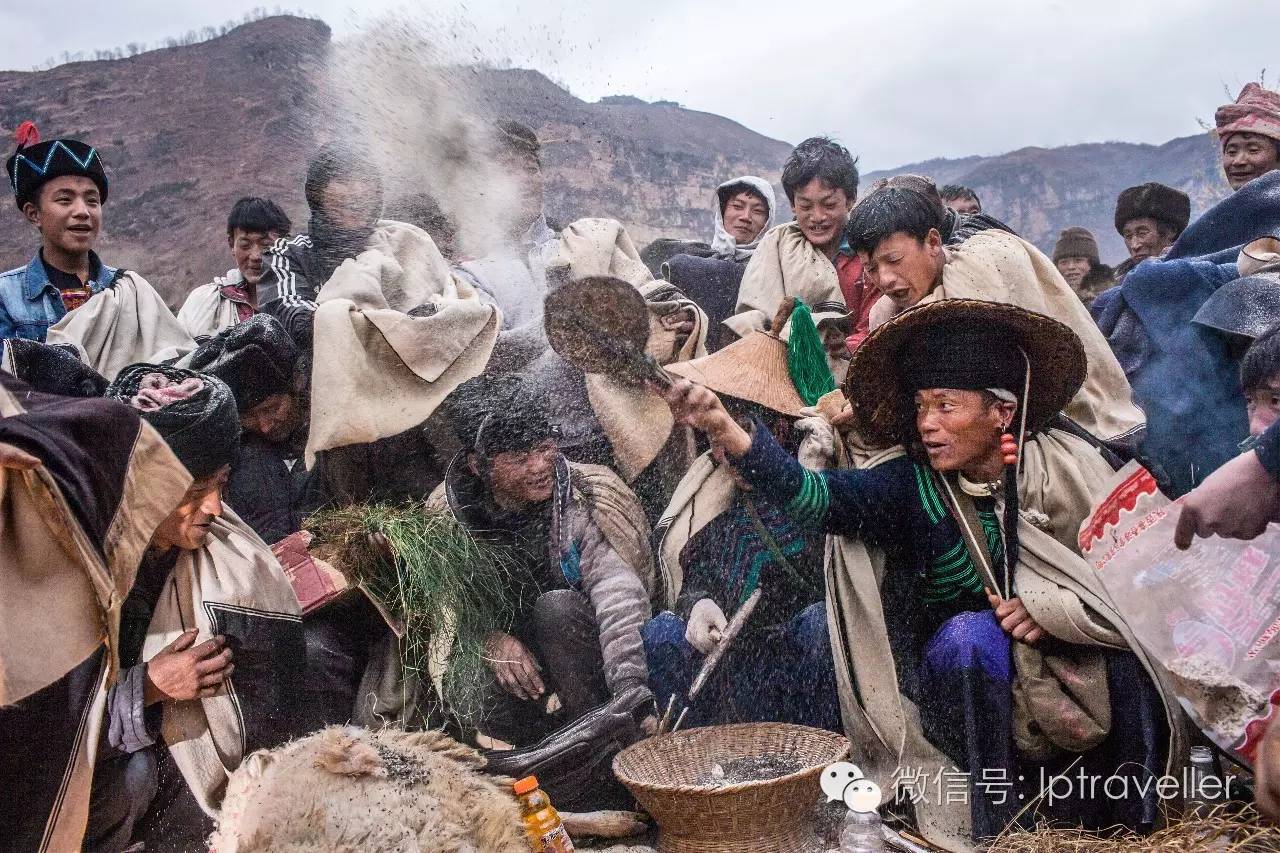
column 30, row 303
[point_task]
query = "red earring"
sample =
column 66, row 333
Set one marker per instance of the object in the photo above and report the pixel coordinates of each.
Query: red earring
column 1009, row 449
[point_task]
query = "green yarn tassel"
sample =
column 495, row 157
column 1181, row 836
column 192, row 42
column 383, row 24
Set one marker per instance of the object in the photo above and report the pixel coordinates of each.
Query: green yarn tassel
column 807, row 357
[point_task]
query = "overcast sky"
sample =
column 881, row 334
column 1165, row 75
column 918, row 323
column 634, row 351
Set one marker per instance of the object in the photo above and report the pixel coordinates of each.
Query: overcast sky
column 897, row 81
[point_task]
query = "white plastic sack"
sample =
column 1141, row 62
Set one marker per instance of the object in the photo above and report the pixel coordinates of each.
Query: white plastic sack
column 1210, row 615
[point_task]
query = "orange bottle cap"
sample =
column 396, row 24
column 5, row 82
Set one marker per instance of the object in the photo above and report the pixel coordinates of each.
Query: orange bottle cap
column 526, row 785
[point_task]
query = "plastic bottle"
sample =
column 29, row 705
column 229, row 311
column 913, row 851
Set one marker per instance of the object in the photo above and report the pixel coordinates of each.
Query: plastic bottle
column 1202, row 797
column 541, row 821
column 861, row 833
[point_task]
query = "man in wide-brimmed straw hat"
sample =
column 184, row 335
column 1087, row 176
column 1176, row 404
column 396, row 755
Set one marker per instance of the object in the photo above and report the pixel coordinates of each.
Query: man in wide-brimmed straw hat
column 951, row 567
column 719, row 541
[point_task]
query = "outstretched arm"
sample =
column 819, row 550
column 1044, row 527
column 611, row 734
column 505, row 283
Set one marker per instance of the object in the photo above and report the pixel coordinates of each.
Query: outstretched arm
column 1239, row 499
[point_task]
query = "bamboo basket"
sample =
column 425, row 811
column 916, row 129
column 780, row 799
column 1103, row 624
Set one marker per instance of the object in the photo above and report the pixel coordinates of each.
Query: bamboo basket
column 665, row 775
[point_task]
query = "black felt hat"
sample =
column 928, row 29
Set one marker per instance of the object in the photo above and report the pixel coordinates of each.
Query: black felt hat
column 255, row 358
column 35, row 163
column 935, row 345
column 1156, row 201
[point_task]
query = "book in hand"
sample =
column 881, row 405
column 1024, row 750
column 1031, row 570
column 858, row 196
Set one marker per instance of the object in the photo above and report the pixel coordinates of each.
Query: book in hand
column 314, row 581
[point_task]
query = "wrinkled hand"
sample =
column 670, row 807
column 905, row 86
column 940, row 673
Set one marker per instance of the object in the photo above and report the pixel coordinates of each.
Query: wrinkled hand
column 1235, row 502
column 1267, row 767
column 16, row 459
column 706, row 626
column 697, row 406
column 182, row 670
column 1015, row 619
column 514, row 666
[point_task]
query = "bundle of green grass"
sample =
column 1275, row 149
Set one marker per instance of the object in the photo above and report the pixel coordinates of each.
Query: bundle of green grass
column 432, row 575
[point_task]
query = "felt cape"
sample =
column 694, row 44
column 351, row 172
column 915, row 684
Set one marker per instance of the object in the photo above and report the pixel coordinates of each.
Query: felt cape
column 1059, row 479
column 125, row 323
column 785, row 264
column 233, row 586
column 72, row 533
column 399, row 332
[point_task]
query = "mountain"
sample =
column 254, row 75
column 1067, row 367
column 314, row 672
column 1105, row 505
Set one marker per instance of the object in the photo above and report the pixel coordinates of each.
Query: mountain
column 185, row 131
column 1040, row 191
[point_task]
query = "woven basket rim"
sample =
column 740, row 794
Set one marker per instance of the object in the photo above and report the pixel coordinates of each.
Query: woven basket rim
column 837, row 741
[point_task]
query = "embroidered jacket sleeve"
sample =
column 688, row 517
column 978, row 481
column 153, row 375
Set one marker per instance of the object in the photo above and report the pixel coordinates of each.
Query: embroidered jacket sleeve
column 871, row 504
column 620, row 602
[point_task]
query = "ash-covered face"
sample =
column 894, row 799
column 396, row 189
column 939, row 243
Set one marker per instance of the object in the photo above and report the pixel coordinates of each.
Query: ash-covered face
column 821, row 211
column 1146, row 238
column 275, row 418
column 519, row 478
column 187, row 527
column 961, row 429
column 1246, row 156
column 1074, row 269
column 963, row 205
column 248, row 247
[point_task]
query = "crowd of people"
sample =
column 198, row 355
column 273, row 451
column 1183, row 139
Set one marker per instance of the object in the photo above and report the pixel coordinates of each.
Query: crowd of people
column 888, row 417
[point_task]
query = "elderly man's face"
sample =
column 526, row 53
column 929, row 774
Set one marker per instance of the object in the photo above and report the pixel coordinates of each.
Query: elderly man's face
column 187, row 527
column 821, row 211
column 1145, row 238
column 275, row 418
column 520, row 478
column 1246, row 156
column 744, row 217
column 1074, row 269
column 906, row 269
column 960, row 429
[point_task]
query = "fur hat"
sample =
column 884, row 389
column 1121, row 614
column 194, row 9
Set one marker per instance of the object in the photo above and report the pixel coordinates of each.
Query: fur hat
column 1076, row 242
column 255, row 358
column 1157, row 201
column 35, row 163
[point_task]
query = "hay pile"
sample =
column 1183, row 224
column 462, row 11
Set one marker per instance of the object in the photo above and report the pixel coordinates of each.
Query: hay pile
column 441, row 582
column 1237, row 830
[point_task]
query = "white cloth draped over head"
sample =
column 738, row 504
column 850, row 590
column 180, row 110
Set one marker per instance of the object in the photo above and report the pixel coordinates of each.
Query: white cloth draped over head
column 999, row 267
column 724, row 244
column 206, row 311
column 378, row 368
column 234, row 572
column 785, row 264
column 124, row 324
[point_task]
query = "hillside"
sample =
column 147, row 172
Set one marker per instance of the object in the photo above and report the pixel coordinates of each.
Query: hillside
column 1040, row 191
column 186, row 131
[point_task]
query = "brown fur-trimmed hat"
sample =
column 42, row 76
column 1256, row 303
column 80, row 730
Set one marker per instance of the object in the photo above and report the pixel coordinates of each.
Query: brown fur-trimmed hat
column 1156, row 201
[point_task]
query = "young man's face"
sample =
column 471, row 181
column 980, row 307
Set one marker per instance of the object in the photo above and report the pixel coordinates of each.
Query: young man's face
column 1074, row 268
column 187, row 527
column 1263, row 404
column 527, row 170
column 821, row 211
column 906, row 269
column 1144, row 238
column 1246, row 156
column 68, row 212
column 521, row 478
column 963, row 205
column 745, row 215
column 248, row 247
column 960, row 429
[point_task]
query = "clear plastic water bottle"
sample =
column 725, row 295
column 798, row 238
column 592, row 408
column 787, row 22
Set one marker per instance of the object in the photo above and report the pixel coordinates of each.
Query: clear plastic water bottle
column 1202, row 776
column 861, row 833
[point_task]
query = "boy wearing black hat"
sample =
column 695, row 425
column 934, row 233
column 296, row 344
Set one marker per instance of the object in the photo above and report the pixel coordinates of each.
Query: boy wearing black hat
column 60, row 186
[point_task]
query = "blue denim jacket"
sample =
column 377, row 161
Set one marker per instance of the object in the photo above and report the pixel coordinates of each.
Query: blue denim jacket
column 29, row 302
